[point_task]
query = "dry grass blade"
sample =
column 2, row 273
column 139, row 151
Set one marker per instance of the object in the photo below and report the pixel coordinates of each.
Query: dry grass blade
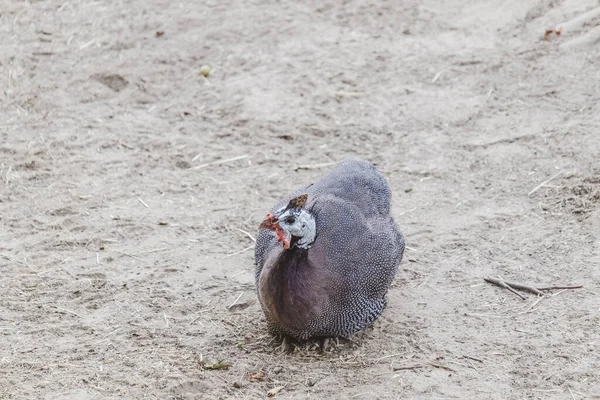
column 314, row 166
column 273, row 392
column 538, row 187
column 247, row 234
column 235, row 301
column 217, row 162
column 239, row 252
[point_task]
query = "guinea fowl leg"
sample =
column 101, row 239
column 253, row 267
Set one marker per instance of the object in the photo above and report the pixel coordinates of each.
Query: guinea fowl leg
column 285, row 348
column 324, row 343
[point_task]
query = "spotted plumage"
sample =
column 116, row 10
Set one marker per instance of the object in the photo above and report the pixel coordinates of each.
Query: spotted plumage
column 327, row 254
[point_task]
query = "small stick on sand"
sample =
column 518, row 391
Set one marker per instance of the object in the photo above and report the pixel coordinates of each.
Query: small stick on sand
column 561, row 287
column 434, row 364
column 520, row 286
column 473, row 358
column 501, row 283
column 407, row 367
column 538, row 187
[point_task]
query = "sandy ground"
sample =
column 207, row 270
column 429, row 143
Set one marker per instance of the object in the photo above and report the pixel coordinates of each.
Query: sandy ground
column 126, row 264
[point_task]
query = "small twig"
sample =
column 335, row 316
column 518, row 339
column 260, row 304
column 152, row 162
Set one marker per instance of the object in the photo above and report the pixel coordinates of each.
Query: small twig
column 473, row 358
column 407, row 367
column 514, row 285
column 522, row 286
column 434, row 364
column 561, row 287
column 538, row 187
column 501, row 283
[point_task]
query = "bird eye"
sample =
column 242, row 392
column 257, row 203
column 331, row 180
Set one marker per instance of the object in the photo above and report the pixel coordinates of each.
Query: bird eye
column 290, row 220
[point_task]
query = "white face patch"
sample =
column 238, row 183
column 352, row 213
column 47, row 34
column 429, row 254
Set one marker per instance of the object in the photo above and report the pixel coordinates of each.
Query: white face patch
column 300, row 224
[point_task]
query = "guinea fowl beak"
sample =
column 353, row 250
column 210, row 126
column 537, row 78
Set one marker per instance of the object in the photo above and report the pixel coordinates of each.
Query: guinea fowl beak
column 272, row 224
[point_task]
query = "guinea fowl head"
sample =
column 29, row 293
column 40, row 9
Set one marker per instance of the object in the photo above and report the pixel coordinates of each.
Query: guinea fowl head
column 294, row 225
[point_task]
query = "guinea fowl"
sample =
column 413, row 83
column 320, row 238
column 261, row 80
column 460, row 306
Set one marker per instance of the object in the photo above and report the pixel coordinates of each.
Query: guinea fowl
column 327, row 254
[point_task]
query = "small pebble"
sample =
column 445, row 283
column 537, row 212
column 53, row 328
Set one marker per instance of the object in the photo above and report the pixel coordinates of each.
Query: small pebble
column 205, row 70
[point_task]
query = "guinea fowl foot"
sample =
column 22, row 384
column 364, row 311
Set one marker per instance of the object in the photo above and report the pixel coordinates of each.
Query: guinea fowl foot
column 285, row 346
column 324, row 343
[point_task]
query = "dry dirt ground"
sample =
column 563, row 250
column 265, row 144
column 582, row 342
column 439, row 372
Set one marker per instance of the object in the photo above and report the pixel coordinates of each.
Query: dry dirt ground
column 131, row 186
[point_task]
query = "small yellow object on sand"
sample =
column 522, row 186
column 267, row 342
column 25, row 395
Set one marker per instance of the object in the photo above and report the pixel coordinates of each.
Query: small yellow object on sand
column 205, row 70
